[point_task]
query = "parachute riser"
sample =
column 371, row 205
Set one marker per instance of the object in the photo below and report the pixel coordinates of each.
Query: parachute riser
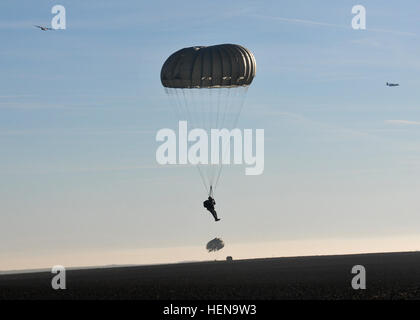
column 211, row 191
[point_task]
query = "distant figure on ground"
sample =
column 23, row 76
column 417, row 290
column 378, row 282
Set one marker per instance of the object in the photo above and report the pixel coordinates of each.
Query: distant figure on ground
column 209, row 205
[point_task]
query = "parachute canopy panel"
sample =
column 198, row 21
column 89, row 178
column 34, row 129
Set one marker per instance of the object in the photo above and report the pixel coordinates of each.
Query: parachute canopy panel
column 219, row 66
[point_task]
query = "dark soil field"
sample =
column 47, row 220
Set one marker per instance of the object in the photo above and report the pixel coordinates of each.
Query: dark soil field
column 388, row 276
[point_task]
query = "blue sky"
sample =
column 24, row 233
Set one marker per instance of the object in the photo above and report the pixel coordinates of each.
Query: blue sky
column 79, row 110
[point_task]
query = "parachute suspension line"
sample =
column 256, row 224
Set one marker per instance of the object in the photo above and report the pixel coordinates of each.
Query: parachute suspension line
column 215, row 109
column 170, row 92
column 203, row 107
column 221, row 110
column 195, row 105
column 207, row 105
column 204, row 97
column 191, row 103
column 183, row 105
column 199, row 105
column 210, row 109
column 225, row 108
column 214, row 113
column 210, row 125
column 202, row 178
column 219, row 90
column 217, row 125
column 239, row 59
column 211, row 191
column 240, row 107
column 228, row 100
column 180, row 105
column 187, row 107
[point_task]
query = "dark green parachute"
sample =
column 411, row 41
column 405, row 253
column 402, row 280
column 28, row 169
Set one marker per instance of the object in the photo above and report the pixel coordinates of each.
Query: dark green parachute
column 224, row 65
column 215, row 245
column 207, row 87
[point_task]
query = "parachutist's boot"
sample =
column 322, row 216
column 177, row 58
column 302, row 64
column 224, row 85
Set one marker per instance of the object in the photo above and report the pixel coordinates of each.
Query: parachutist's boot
column 214, row 213
column 216, row 218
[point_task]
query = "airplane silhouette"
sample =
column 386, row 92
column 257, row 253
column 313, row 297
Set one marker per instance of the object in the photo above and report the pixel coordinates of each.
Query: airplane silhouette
column 392, row 84
column 43, row 28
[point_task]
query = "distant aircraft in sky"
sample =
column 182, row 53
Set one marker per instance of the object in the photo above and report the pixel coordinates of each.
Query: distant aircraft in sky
column 392, row 84
column 43, row 28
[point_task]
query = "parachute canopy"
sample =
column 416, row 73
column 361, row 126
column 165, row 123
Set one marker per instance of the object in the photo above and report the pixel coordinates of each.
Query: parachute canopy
column 207, row 87
column 223, row 65
column 215, row 245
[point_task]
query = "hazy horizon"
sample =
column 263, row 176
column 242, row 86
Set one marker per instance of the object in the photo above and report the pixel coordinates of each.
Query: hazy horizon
column 80, row 108
column 129, row 257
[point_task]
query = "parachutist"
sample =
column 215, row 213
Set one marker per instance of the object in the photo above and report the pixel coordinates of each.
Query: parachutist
column 209, row 205
column 196, row 77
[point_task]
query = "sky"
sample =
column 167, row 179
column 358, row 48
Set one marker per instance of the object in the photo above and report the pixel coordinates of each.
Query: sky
column 80, row 109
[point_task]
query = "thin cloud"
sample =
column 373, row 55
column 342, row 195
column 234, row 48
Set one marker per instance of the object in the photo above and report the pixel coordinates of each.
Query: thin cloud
column 299, row 21
column 402, row 33
column 403, row 122
column 326, row 24
column 48, row 105
column 10, row 25
column 70, row 131
column 96, row 169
